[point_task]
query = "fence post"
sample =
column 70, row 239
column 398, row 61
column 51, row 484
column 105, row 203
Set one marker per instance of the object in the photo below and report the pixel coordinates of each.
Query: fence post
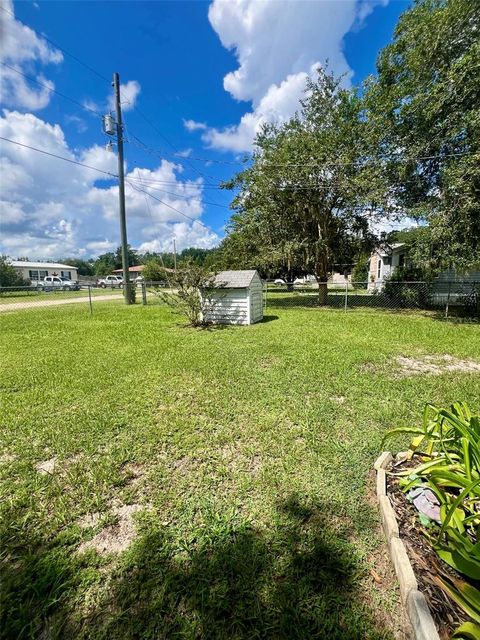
column 90, row 299
column 448, row 298
column 346, row 295
column 144, row 293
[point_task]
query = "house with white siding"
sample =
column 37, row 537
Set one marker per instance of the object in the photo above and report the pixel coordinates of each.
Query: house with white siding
column 35, row 271
column 236, row 298
column 383, row 261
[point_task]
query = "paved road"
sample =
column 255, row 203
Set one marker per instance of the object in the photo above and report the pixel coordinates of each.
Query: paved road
column 14, row 306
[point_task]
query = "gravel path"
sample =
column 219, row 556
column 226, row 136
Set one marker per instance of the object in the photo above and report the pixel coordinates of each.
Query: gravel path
column 14, row 306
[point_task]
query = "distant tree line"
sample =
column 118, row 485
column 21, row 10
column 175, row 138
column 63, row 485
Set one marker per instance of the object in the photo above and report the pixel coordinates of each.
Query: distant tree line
column 105, row 263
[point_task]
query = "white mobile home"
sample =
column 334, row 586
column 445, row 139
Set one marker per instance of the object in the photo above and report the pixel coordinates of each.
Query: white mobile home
column 35, row 271
column 236, row 299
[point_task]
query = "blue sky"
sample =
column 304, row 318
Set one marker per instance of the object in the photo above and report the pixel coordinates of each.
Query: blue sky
column 205, row 75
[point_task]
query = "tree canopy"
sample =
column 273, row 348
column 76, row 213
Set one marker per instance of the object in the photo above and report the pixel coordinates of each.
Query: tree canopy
column 406, row 146
column 424, row 112
column 305, row 202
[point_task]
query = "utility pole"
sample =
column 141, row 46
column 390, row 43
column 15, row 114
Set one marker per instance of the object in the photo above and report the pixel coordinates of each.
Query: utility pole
column 121, row 189
column 175, row 253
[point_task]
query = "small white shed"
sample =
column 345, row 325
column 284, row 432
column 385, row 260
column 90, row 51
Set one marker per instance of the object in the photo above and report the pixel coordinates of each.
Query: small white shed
column 236, row 299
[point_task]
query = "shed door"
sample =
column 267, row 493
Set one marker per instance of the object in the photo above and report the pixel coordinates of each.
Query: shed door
column 255, row 306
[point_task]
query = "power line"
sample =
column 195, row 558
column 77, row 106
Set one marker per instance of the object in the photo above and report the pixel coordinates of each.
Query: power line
column 54, row 44
column 175, row 194
column 54, row 155
column 168, row 205
column 42, row 84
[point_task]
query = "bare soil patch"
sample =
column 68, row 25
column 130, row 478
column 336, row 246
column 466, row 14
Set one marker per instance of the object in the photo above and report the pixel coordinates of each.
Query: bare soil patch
column 7, row 458
column 134, row 472
column 46, row 467
column 117, row 537
column 435, row 364
column 89, row 520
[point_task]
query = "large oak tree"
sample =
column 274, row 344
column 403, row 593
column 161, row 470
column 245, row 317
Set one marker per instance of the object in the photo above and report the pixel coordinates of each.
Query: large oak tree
column 423, row 110
column 305, row 202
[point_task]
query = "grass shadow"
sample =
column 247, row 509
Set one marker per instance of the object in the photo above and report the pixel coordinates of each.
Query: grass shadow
column 266, row 319
column 298, row 581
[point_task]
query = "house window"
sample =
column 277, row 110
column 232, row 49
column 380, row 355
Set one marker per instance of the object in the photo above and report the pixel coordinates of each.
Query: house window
column 379, row 268
column 33, row 274
column 401, row 260
column 43, row 274
column 66, row 274
column 387, row 260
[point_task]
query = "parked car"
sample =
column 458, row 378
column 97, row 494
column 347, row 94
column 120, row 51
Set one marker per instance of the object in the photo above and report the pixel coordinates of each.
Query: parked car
column 56, row 282
column 279, row 281
column 110, row 281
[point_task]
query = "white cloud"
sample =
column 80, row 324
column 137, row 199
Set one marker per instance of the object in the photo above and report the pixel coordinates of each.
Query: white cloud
column 79, row 123
column 51, row 208
column 192, row 125
column 185, row 153
column 101, row 246
column 194, row 235
column 276, row 45
column 129, row 93
column 277, row 106
column 22, row 49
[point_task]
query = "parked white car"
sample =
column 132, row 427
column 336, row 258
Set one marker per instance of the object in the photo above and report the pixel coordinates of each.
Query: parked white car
column 56, row 282
column 110, row 281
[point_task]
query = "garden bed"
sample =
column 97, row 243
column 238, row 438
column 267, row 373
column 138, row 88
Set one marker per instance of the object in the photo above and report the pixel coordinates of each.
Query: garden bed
column 425, row 567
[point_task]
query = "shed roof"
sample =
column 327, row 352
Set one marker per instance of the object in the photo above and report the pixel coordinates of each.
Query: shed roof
column 234, row 279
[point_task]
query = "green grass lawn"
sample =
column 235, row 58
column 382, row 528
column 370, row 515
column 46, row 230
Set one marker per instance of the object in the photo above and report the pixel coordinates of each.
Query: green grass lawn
column 245, row 452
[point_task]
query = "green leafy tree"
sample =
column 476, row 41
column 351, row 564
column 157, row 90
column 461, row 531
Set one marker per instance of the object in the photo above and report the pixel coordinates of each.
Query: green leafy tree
column 154, row 271
column 305, row 202
column 191, row 294
column 105, row 264
column 133, row 258
column 360, row 270
column 9, row 276
column 164, row 258
column 85, row 267
column 424, row 115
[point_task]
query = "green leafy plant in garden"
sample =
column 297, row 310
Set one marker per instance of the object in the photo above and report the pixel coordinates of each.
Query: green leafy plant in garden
column 449, row 443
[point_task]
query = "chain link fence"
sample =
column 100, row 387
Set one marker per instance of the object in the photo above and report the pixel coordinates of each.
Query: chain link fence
column 448, row 297
column 36, row 296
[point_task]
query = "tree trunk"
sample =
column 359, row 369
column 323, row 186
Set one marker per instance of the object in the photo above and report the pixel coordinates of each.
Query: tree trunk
column 322, row 293
column 322, row 277
column 321, row 267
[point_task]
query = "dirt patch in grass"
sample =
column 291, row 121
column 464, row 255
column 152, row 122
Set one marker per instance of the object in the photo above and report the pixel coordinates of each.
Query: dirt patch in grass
column 133, row 472
column 89, row 520
column 46, row 467
column 435, row 365
column 406, row 366
column 7, row 458
column 114, row 538
column 182, row 465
